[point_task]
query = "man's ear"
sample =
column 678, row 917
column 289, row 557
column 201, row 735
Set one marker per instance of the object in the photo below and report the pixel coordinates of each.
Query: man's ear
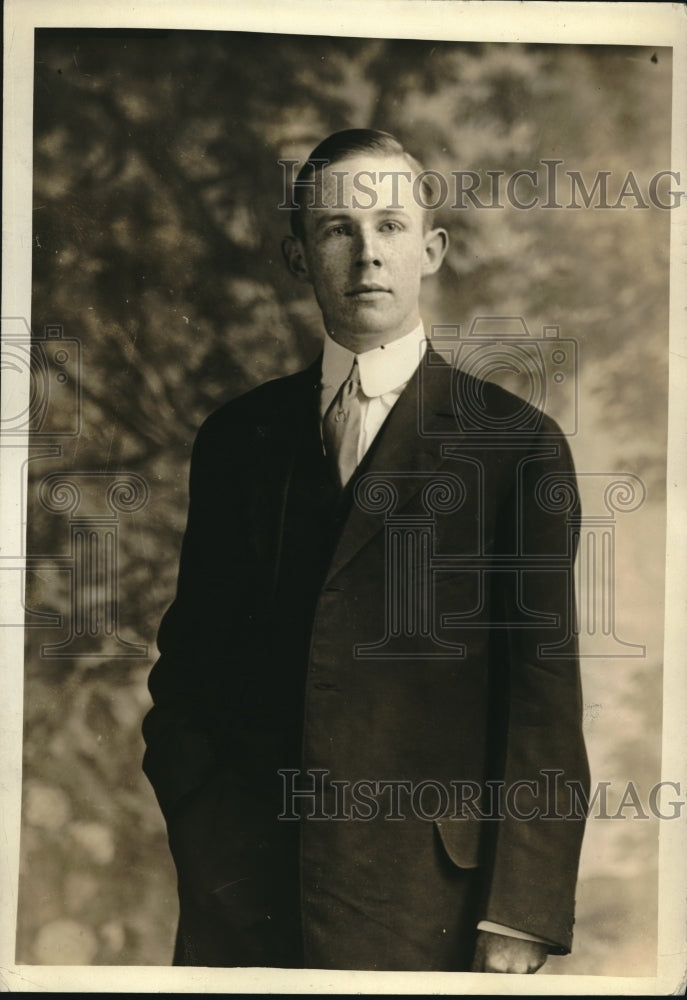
column 294, row 255
column 436, row 245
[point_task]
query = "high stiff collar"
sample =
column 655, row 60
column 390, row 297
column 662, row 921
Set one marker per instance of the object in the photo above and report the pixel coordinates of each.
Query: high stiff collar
column 408, row 450
column 382, row 369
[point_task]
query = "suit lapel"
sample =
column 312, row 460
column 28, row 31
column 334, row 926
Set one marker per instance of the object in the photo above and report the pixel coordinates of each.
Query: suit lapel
column 407, row 448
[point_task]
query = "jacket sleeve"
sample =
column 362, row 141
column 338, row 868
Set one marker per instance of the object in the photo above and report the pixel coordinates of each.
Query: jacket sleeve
column 181, row 731
column 545, row 776
column 222, row 827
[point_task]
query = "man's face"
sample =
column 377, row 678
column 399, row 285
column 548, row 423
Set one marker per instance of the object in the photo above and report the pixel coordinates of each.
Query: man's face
column 367, row 251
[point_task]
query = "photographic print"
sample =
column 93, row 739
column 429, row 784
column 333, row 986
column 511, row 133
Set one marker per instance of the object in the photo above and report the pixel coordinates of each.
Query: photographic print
column 342, row 499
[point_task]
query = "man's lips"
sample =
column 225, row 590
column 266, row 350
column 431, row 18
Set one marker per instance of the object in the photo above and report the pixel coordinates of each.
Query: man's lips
column 367, row 289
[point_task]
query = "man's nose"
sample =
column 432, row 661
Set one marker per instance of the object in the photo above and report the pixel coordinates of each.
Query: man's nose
column 367, row 249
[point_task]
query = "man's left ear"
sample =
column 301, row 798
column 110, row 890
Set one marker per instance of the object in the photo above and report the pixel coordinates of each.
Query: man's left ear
column 436, row 245
column 294, row 255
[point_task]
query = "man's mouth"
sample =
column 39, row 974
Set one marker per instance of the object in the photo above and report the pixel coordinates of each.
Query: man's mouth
column 367, row 289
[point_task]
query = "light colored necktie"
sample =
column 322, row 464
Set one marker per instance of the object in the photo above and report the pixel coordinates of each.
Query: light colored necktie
column 341, row 426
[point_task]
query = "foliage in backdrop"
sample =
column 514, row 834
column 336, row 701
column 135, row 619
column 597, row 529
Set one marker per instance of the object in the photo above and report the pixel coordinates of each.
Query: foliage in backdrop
column 157, row 246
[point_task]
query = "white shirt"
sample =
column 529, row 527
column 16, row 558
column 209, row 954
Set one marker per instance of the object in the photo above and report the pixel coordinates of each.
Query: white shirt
column 384, row 373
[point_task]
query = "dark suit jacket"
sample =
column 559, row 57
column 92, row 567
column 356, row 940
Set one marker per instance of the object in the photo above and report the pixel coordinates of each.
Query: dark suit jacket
column 462, row 676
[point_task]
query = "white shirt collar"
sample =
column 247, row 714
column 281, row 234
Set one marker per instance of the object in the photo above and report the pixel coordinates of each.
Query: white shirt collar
column 382, row 369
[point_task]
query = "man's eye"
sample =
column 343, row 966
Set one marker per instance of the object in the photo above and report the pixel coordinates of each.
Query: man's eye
column 337, row 230
column 390, row 227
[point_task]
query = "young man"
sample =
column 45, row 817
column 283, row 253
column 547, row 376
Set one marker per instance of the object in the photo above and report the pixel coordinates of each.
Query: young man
column 367, row 704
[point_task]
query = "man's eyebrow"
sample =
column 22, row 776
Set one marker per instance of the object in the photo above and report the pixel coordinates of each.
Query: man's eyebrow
column 323, row 219
column 393, row 210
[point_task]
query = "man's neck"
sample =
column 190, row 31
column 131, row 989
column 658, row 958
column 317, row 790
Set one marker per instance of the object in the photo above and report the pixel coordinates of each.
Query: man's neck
column 360, row 343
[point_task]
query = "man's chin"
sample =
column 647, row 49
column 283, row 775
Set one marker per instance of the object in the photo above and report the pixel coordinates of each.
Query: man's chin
column 360, row 341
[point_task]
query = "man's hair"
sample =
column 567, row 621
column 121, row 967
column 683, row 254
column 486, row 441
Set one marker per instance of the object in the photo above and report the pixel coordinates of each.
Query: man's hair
column 343, row 145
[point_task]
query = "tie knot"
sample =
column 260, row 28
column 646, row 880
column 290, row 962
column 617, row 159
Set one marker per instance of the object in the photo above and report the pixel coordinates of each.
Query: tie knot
column 351, row 387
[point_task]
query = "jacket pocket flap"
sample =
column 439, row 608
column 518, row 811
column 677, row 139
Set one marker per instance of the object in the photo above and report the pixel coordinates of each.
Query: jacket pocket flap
column 461, row 840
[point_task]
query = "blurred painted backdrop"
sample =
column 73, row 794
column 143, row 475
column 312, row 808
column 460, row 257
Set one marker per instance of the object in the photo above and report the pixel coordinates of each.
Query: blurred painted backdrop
column 156, row 249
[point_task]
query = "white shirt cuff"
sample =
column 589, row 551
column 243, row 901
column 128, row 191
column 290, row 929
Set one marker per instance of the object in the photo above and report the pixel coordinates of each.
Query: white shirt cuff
column 489, row 925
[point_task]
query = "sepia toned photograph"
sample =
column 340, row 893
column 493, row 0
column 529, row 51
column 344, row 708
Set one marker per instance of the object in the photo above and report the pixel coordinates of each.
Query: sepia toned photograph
column 341, row 514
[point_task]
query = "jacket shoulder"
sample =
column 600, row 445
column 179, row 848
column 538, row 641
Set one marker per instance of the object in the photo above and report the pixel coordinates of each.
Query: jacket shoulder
column 274, row 398
column 490, row 406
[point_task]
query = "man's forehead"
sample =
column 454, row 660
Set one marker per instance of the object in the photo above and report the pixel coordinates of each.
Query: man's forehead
column 347, row 183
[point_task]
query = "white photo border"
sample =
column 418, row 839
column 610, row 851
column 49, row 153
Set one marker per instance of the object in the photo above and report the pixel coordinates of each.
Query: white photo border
column 612, row 24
